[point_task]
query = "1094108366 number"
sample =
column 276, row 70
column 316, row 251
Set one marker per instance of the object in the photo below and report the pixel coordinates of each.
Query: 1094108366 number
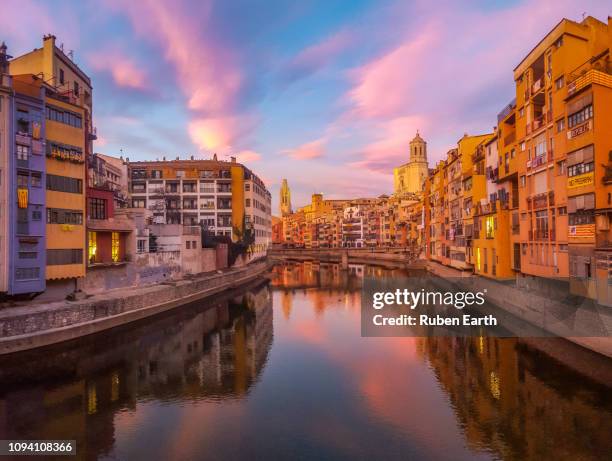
column 37, row 447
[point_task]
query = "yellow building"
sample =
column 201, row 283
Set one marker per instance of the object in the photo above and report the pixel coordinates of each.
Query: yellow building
column 473, row 189
column 492, row 218
column 69, row 136
column 410, row 177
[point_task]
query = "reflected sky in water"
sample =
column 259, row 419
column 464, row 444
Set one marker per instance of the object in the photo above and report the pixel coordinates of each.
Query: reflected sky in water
column 280, row 370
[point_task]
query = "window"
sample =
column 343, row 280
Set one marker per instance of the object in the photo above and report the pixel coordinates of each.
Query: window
column 560, row 125
column 559, row 82
column 581, row 217
column 115, row 245
column 561, row 168
column 581, row 168
column 35, row 180
column 22, row 180
column 139, row 174
column 28, row 254
column 61, row 77
column 188, row 244
column 522, row 146
column 156, row 174
column 559, row 43
column 523, row 181
column 92, row 247
column 562, row 211
column 141, row 244
column 23, row 152
column 581, row 116
column 60, row 257
column 76, row 88
column 60, row 216
column 64, row 184
column 248, row 203
column 247, row 187
column 138, row 188
column 63, row 116
column 96, row 208
column 180, row 173
column 138, row 203
column 36, row 215
column 27, row 273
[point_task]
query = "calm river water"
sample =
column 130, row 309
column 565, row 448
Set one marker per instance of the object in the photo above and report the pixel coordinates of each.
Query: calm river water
column 280, row 371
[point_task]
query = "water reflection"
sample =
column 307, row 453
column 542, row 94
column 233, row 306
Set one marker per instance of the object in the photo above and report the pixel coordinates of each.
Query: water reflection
column 209, row 382
column 204, row 352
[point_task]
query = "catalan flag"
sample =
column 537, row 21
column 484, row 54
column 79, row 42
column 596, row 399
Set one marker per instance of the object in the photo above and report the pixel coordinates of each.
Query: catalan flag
column 22, row 197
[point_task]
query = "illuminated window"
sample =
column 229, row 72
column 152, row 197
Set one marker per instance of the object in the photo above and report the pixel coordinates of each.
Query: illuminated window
column 93, row 247
column 115, row 246
column 490, row 227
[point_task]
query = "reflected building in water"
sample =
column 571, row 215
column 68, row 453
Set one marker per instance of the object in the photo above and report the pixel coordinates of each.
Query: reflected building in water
column 213, row 353
column 515, row 404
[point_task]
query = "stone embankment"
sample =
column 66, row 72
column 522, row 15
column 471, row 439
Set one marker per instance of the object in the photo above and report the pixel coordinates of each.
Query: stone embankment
column 29, row 327
column 545, row 306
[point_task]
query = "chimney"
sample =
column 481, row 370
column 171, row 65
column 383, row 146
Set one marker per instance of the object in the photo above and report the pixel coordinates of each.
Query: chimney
column 127, row 159
column 164, row 158
column 215, row 157
column 233, row 159
column 177, row 157
column 192, row 157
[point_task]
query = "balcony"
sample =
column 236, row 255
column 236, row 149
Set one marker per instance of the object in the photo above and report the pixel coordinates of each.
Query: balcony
column 587, row 78
column 537, row 86
column 538, row 201
column 93, row 134
column 506, row 111
column 23, row 138
column 509, row 138
column 538, row 122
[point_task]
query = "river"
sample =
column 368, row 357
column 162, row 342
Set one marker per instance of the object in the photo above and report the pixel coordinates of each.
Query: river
column 279, row 371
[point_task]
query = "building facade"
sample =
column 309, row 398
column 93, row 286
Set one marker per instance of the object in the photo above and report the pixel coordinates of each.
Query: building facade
column 226, row 198
column 68, row 142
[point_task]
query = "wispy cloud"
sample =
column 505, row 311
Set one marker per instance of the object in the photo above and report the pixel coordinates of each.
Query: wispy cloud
column 309, row 150
column 123, row 69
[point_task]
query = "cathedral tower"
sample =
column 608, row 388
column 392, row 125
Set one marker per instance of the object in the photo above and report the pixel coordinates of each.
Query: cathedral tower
column 285, row 199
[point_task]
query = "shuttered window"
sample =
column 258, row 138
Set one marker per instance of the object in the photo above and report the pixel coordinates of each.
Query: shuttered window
column 540, row 186
column 64, row 256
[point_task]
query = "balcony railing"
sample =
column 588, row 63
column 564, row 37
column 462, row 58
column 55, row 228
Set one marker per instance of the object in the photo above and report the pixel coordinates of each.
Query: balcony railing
column 587, row 78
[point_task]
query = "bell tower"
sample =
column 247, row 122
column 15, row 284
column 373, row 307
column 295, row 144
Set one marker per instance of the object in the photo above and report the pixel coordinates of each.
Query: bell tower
column 418, row 149
column 285, row 199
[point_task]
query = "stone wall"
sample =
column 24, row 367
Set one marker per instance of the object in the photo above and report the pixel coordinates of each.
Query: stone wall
column 34, row 326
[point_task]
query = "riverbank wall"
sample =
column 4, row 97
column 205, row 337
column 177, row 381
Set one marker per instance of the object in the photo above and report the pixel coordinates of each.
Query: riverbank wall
column 29, row 327
column 541, row 306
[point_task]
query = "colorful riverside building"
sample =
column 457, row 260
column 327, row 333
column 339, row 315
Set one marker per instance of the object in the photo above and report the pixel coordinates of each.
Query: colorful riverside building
column 22, row 165
column 225, row 197
column 68, row 140
column 564, row 109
